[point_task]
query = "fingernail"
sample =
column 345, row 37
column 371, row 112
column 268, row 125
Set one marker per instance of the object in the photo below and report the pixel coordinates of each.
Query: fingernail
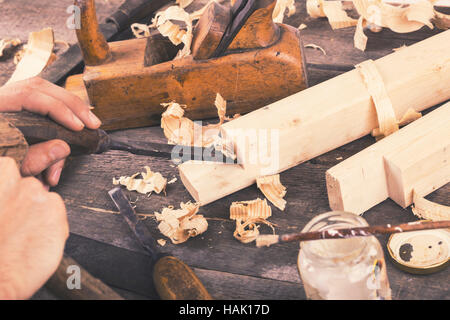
column 95, row 121
column 58, row 152
column 55, row 176
column 78, row 121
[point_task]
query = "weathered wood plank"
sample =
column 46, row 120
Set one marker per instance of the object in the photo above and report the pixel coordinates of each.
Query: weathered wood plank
column 91, row 214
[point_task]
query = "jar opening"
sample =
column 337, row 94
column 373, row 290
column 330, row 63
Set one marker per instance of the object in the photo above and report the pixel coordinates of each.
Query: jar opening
column 335, row 249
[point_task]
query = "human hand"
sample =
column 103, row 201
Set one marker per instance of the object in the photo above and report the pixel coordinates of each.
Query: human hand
column 40, row 96
column 33, row 231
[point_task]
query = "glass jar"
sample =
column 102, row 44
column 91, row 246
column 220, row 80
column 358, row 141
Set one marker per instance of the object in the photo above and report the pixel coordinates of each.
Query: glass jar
column 342, row 269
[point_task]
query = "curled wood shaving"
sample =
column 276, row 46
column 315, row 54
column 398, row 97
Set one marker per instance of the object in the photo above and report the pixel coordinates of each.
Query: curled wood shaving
column 272, row 188
column 376, row 14
column 162, row 22
column 140, row 30
column 280, row 8
column 399, row 19
column 359, row 38
column 36, row 57
column 150, row 182
column 429, row 210
column 161, row 242
column 8, row 43
column 248, row 235
column 172, row 181
column 250, row 209
column 375, row 86
column 333, row 10
column 409, row 116
column 302, row 26
column 315, row 46
column 181, row 224
column 183, row 131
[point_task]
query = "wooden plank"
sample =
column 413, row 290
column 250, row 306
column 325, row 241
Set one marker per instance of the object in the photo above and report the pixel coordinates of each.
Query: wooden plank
column 414, row 158
column 309, row 123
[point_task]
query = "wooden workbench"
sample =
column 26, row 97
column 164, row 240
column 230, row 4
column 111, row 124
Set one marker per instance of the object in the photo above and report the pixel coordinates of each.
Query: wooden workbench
column 102, row 242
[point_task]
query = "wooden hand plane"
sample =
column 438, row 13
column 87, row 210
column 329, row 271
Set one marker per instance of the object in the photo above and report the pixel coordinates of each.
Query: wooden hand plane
column 237, row 51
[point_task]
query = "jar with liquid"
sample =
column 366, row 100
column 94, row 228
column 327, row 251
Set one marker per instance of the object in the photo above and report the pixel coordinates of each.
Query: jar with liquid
column 342, row 269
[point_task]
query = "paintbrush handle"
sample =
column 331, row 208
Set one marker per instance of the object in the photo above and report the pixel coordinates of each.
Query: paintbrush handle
column 364, row 231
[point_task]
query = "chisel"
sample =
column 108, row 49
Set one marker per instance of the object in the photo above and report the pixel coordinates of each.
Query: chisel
column 172, row 278
column 37, row 128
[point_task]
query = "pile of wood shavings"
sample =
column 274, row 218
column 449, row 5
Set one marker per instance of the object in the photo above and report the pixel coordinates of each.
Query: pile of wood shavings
column 183, row 131
column 377, row 14
column 247, row 214
column 181, row 224
column 150, row 182
column 177, row 35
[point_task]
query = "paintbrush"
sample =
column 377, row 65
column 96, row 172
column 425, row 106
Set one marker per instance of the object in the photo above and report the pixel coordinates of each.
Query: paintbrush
column 269, row 239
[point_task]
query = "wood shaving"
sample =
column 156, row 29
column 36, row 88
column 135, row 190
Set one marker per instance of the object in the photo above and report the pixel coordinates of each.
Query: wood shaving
column 333, row 10
column 400, row 19
column 150, row 182
column 247, row 214
column 314, row 46
column 376, row 14
column 272, row 188
column 163, row 23
column 387, row 121
column 36, row 57
column 183, row 131
column 409, row 116
column 8, row 43
column 302, row 26
column 429, row 210
column 248, row 235
column 280, row 9
column 172, row 181
column 244, row 210
column 140, row 30
column 359, row 38
column 161, row 242
column 181, row 224
column 266, row 240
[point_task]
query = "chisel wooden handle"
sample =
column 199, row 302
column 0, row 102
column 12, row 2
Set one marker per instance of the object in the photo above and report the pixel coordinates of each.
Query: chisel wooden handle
column 91, row 288
column 37, row 128
column 174, row 280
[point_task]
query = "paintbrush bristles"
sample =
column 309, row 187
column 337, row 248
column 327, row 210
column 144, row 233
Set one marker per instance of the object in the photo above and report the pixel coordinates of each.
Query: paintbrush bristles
column 267, row 240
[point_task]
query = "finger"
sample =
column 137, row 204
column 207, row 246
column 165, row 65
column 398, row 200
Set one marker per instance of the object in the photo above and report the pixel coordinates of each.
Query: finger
column 43, row 155
column 9, row 177
column 53, row 173
column 74, row 103
column 22, row 96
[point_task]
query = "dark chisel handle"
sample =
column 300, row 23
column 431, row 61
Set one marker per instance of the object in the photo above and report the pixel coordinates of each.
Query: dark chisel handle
column 174, row 280
column 91, row 287
column 37, row 128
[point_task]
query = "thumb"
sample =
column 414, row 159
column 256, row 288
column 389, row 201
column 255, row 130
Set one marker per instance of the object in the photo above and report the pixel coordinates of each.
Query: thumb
column 43, row 155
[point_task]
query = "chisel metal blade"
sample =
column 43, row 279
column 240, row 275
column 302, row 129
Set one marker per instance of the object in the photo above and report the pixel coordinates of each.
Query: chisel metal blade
column 139, row 229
